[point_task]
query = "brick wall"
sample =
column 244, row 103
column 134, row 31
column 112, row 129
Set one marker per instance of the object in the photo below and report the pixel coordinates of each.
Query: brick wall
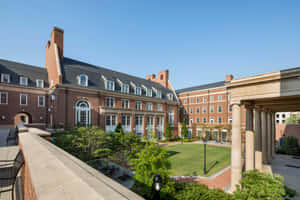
column 287, row 129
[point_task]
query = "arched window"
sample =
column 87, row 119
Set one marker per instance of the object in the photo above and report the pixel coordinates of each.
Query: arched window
column 171, row 117
column 83, row 113
column 83, row 80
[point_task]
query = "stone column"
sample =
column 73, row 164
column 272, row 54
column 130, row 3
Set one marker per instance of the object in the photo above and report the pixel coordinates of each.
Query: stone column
column 249, row 139
column 258, row 140
column 236, row 147
column 273, row 134
column 269, row 137
column 264, row 136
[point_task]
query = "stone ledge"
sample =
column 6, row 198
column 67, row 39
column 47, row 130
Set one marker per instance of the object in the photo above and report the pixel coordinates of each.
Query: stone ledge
column 55, row 174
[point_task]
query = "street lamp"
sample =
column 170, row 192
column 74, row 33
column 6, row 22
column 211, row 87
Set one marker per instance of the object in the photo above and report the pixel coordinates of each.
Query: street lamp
column 157, row 183
column 204, row 168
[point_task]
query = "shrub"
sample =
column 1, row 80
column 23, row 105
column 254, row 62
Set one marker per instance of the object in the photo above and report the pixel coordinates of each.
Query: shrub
column 289, row 146
column 168, row 131
column 256, row 185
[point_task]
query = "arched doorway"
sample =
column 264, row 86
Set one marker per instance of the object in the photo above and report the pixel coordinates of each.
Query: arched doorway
column 22, row 118
column 82, row 113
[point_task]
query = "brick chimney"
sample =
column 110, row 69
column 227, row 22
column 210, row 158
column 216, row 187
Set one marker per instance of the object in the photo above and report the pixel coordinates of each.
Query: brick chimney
column 54, row 54
column 162, row 78
column 228, row 77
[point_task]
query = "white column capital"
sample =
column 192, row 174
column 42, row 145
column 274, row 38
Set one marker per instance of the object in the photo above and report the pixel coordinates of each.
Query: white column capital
column 235, row 102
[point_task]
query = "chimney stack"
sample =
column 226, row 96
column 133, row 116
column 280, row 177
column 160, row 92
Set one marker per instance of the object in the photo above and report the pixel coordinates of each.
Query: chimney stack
column 150, row 77
column 57, row 37
column 162, row 78
column 228, row 77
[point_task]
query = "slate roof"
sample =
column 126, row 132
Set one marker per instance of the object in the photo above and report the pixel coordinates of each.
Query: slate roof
column 18, row 69
column 201, row 87
column 71, row 69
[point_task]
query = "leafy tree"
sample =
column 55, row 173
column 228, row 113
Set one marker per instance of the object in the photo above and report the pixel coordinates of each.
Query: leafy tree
column 184, row 131
column 168, row 131
column 150, row 161
column 151, row 134
column 289, row 146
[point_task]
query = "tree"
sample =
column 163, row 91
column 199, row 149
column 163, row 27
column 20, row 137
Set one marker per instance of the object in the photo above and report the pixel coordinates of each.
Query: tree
column 119, row 128
column 168, row 131
column 293, row 119
column 151, row 134
column 184, row 131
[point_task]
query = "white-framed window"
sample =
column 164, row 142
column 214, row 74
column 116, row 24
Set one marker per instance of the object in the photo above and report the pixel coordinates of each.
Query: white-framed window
column 204, row 109
column 39, row 83
column 138, row 91
column 125, row 103
column 138, row 105
column 191, row 110
column 211, row 109
column 126, row 121
column 110, row 102
column 83, row 80
column 170, row 97
column 5, row 78
column 220, row 120
column 191, row 101
column 198, row 120
column 149, row 106
column 110, row 85
column 149, row 92
column 229, row 120
column 82, row 113
column 211, row 98
column 197, row 110
column 230, row 108
column 23, row 99
column 3, row 98
column 191, row 120
column 184, row 101
column 158, row 94
column 110, row 122
column 184, row 111
column 212, row 120
column 219, row 109
column 204, row 99
column 159, row 107
column 199, row 132
column 220, row 98
column 190, row 133
column 23, row 80
column 229, row 96
column 198, row 100
column 125, row 88
column 171, row 117
column 204, row 120
column 41, row 101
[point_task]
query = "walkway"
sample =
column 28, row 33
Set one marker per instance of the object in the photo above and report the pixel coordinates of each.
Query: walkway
column 291, row 174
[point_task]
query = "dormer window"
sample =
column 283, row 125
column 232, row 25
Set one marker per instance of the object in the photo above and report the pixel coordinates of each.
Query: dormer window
column 110, row 85
column 158, row 94
column 138, row 91
column 170, row 97
column 125, row 88
column 5, row 78
column 23, row 81
column 83, row 80
column 39, row 83
column 149, row 92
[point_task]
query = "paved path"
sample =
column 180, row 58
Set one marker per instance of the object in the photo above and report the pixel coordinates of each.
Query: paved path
column 291, row 175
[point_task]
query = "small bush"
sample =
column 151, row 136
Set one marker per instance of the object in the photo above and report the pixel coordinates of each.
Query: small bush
column 289, row 146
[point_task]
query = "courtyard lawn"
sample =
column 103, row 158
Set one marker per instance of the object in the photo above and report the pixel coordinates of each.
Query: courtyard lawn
column 187, row 159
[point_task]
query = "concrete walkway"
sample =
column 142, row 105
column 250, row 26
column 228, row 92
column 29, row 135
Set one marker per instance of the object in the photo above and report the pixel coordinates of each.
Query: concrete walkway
column 291, row 174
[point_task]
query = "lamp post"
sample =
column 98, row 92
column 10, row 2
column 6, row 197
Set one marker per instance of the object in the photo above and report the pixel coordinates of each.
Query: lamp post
column 157, row 183
column 204, row 167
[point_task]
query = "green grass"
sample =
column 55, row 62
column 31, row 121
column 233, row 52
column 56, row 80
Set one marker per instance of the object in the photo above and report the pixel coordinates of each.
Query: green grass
column 187, row 159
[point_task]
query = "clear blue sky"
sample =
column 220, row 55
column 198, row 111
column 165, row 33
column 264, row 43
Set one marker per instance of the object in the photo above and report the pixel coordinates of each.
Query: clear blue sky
column 198, row 41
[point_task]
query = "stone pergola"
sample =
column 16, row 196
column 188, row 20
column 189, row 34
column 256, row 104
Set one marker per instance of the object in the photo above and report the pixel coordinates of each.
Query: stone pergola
column 262, row 95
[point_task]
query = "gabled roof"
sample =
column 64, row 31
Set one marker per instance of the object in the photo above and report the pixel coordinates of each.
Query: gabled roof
column 201, row 87
column 15, row 70
column 71, row 69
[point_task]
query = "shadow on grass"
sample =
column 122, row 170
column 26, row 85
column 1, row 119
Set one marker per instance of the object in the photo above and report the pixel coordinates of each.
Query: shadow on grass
column 171, row 153
column 212, row 166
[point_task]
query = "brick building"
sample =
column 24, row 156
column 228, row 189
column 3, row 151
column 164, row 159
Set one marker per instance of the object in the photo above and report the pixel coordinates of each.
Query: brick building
column 68, row 92
column 207, row 110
